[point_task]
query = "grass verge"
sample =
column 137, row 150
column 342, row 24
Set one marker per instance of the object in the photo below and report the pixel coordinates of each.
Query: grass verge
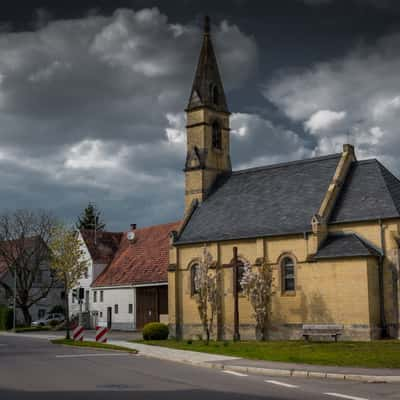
column 96, row 345
column 33, row 329
column 374, row 354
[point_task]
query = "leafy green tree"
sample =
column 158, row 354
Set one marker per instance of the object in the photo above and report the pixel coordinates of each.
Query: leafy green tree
column 68, row 262
column 90, row 219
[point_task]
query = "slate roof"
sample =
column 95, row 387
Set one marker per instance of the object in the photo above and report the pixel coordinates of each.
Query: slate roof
column 369, row 192
column 346, row 245
column 107, row 243
column 266, row 201
column 281, row 199
column 143, row 261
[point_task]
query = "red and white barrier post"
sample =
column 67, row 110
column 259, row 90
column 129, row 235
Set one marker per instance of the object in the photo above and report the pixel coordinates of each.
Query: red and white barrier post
column 101, row 334
column 78, row 332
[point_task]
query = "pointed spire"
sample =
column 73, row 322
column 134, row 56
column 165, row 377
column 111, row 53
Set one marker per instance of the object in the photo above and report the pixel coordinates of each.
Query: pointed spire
column 207, row 89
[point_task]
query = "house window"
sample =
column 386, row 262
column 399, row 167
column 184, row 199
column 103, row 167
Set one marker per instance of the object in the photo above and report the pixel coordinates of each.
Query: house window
column 101, row 296
column 216, row 136
column 95, row 296
column 288, row 275
column 101, row 314
column 194, row 282
column 41, row 313
column 86, row 273
column 130, row 308
column 62, row 295
column 115, row 308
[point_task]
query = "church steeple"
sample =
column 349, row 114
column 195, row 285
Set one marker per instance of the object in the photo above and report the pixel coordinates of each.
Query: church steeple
column 207, row 88
column 207, row 127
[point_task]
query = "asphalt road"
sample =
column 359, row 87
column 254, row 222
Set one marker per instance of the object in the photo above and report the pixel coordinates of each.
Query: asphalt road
column 35, row 369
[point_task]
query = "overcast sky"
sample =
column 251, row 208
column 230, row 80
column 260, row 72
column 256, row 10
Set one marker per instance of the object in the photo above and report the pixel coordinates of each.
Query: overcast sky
column 92, row 95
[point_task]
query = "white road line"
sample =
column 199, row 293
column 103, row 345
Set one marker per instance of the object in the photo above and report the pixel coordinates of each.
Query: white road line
column 345, row 396
column 234, row 373
column 91, row 355
column 282, row 384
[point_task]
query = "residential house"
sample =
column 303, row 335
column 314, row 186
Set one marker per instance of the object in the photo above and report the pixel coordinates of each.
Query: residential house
column 133, row 289
column 99, row 248
column 329, row 227
column 43, row 290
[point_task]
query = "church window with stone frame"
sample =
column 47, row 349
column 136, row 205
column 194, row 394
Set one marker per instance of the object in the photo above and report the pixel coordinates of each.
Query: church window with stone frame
column 194, row 284
column 288, row 275
column 214, row 94
column 216, row 136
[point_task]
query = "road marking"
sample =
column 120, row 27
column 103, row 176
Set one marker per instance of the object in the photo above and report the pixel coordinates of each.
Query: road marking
column 282, row 384
column 345, row 396
column 92, row 355
column 234, row 373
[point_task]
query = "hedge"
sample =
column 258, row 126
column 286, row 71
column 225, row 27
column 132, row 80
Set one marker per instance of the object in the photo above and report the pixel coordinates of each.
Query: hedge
column 155, row 331
column 6, row 318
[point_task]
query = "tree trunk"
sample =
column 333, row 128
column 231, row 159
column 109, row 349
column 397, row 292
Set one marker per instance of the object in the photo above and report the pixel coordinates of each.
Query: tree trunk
column 207, row 336
column 26, row 314
column 67, row 325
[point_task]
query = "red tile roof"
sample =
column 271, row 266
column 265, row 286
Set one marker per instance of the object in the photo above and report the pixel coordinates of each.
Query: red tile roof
column 107, row 243
column 143, row 261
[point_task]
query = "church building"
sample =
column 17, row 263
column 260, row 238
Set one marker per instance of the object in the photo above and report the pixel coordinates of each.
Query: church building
column 329, row 227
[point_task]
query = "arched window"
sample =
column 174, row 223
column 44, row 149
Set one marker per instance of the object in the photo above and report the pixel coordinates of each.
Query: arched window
column 288, row 275
column 215, row 95
column 216, row 135
column 194, row 284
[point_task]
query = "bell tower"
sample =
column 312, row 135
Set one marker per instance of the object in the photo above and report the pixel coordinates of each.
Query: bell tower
column 207, row 127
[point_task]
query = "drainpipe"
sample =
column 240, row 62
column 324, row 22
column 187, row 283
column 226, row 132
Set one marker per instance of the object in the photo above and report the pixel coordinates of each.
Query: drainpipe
column 381, row 283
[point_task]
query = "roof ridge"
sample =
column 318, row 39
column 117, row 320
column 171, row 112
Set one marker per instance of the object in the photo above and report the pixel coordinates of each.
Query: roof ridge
column 383, row 169
column 155, row 226
column 367, row 244
column 286, row 164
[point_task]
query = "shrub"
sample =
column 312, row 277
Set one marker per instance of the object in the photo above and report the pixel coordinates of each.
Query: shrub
column 155, row 331
column 6, row 318
column 53, row 323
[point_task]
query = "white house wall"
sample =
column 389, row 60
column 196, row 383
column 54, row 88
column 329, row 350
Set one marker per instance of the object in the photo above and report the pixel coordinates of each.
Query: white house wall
column 111, row 297
column 94, row 271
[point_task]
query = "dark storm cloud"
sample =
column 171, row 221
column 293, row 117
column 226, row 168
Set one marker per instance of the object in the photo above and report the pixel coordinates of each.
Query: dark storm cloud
column 92, row 99
column 91, row 106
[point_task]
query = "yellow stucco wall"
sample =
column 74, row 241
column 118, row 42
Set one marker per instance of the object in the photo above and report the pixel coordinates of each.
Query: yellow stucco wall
column 343, row 291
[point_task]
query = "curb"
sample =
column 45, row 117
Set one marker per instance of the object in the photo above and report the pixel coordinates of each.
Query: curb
column 285, row 372
column 303, row 373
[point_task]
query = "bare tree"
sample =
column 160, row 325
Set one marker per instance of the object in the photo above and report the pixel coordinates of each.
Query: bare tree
column 24, row 240
column 206, row 293
column 257, row 285
column 68, row 261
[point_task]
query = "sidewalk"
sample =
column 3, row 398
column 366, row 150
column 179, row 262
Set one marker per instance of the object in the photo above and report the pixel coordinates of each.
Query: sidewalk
column 267, row 368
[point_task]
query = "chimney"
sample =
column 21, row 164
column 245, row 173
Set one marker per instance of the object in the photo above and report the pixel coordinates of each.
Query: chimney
column 133, row 227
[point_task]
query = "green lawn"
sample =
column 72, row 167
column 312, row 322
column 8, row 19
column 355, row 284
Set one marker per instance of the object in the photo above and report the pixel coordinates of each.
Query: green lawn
column 375, row 354
column 70, row 342
column 32, row 329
